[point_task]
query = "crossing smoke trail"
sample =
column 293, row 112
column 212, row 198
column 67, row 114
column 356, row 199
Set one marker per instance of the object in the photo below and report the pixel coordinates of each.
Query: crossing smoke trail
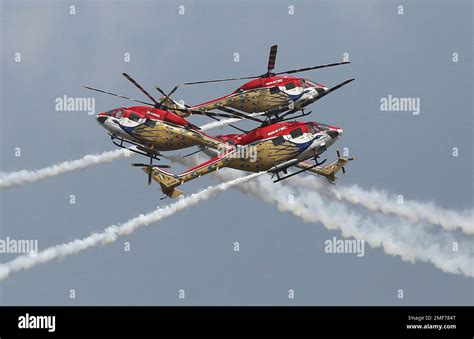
column 111, row 233
column 380, row 201
column 20, row 178
column 411, row 241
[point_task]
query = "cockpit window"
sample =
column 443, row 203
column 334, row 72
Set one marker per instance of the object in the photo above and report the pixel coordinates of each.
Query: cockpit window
column 290, row 85
column 320, row 90
column 115, row 113
column 278, row 140
column 323, row 127
column 312, row 129
column 274, row 90
column 150, row 123
column 134, row 117
column 296, row 133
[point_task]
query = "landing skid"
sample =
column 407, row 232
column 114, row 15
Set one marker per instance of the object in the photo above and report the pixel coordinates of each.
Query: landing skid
column 292, row 174
column 120, row 143
column 142, row 150
column 297, row 172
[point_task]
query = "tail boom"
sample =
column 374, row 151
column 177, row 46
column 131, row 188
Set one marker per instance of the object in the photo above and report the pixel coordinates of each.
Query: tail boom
column 168, row 181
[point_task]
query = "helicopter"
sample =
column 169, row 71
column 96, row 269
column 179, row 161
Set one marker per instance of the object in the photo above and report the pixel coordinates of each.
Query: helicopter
column 272, row 148
column 272, row 93
column 153, row 127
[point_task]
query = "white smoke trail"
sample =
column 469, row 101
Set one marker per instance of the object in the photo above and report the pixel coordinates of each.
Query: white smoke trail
column 412, row 241
column 111, row 233
column 224, row 122
column 219, row 124
column 380, row 201
column 20, row 178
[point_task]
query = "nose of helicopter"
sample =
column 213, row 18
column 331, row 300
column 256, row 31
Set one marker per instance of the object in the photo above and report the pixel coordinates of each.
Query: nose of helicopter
column 320, row 88
column 101, row 119
column 334, row 133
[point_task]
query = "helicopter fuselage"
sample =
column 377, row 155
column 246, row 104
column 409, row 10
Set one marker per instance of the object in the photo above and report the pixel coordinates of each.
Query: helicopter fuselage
column 266, row 94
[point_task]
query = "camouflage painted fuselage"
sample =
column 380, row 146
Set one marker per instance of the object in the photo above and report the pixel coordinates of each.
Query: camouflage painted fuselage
column 266, row 94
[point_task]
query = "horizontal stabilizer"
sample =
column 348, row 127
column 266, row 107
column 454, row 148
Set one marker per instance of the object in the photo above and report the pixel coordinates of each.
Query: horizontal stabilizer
column 328, row 171
column 166, row 181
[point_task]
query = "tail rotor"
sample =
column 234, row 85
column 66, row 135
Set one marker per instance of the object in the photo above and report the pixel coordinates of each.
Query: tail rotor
column 149, row 168
column 342, row 158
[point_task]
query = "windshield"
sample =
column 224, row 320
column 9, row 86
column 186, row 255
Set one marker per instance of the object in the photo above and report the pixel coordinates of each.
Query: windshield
column 323, row 127
column 118, row 113
column 115, row 113
column 313, row 129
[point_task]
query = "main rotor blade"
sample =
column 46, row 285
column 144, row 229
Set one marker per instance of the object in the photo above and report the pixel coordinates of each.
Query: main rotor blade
column 173, row 90
column 160, row 90
column 213, row 114
column 239, row 115
column 197, row 112
column 311, row 68
column 140, row 88
column 166, row 96
column 220, row 80
column 117, row 95
column 272, row 58
column 332, row 89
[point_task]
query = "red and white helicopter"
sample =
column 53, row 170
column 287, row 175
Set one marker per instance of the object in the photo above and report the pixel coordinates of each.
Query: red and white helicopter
column 272, row 93
column 278, row 145
column 154, row 127
column 273, row 148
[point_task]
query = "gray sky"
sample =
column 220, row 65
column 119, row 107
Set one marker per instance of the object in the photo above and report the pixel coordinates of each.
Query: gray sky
column 407, row 55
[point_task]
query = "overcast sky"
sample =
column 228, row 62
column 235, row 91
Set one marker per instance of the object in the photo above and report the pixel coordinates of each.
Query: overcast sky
column 409, row 55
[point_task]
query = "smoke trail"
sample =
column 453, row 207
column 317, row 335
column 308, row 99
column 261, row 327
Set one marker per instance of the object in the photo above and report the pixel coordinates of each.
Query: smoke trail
column 111, row 233
column 20, row 178
column 218, row 124
column 23, row 177
column 412, row 241
column 380, row 201
column 224, row 122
